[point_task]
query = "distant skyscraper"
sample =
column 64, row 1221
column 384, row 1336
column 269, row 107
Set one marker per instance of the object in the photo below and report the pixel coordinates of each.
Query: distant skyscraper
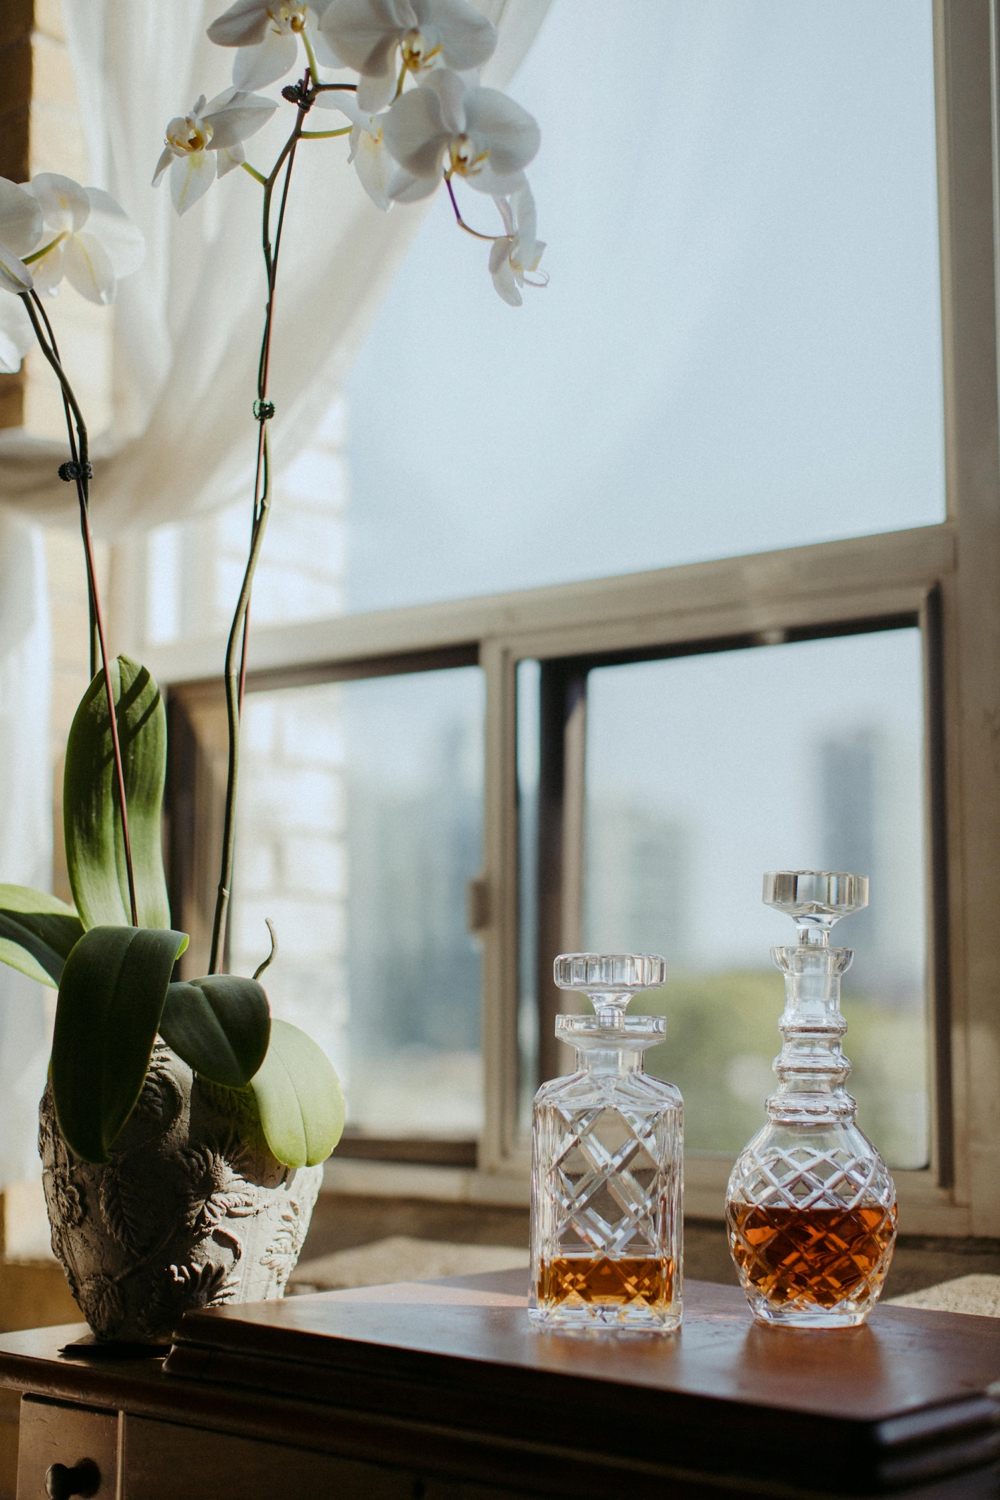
column 849, row 803
column 637, row 874
column 867, row 825
column 413, row 968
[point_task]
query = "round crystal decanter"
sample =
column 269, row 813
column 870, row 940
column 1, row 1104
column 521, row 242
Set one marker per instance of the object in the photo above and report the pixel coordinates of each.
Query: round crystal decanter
column 607, row 1163
column 811, row 1208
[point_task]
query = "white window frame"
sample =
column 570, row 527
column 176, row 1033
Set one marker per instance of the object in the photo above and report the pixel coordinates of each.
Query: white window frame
column 946, row 577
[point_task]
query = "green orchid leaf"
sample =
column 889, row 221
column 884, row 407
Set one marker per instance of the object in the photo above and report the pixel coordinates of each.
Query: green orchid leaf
column 299, row 1097
column 110, row 999
column 95, row 851
column 220, row 1025
column 37, row 932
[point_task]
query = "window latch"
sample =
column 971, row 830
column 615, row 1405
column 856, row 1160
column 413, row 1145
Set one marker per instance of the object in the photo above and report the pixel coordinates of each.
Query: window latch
column 477, row 904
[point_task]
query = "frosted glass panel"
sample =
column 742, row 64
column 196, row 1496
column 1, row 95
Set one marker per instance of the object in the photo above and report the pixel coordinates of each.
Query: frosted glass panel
column 705, row 771
column 360, row 824
column 739, row 348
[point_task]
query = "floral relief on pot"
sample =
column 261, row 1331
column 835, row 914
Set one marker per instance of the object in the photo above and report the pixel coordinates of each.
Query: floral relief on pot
column 192, row 1209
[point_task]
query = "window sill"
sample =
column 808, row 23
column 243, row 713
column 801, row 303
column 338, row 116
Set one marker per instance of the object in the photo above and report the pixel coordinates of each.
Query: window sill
column 388, row 1179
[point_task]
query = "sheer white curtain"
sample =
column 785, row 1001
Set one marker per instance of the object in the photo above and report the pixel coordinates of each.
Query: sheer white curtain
column 25, row 827
column 187, row 325
column 186, row 336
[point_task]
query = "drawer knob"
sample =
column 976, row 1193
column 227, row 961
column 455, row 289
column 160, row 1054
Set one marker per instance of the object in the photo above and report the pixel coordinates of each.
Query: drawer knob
column 83, row 1479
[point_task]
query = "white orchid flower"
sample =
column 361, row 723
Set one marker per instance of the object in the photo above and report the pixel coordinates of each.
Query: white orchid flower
column 516, row 254
column 208, row 142
column 266, row 33
column 14, row 274
column 86, row 237
column 369, row 154
column 430, row 33
column 450, row 124
column 16, row 334
column 20, row 228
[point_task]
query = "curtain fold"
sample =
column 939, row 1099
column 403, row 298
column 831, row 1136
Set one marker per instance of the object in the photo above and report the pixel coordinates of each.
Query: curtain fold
column 185, row 342
column 25, row 828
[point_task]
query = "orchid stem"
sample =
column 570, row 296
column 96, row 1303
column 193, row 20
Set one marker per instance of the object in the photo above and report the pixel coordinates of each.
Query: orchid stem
column 310, row 54
column 257, row 176
column 324, row 135
column 236, row 646
column 274, row 948
column 79, row 447
column 29, row 260
column 461, row 222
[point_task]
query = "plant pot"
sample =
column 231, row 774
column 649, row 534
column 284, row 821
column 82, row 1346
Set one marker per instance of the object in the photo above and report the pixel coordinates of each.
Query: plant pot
column 192, row 1209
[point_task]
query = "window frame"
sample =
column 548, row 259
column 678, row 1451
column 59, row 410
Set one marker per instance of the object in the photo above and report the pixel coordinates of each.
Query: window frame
column 945, row 576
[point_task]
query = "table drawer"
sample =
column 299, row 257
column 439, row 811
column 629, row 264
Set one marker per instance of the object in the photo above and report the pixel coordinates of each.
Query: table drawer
column 74, row 1447
column 164, row 1460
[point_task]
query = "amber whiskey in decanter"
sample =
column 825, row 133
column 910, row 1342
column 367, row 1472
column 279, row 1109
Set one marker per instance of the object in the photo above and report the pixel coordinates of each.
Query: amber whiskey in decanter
column 607, row 1163
column 603, row 1282
column 811, row 1207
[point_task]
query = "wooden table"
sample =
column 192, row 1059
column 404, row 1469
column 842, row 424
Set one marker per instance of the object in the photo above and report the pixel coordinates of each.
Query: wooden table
column 442, row 1391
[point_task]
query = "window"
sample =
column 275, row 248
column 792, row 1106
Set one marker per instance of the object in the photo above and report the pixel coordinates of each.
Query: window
column 843, row 391
column 360, row 826
column 703, row 770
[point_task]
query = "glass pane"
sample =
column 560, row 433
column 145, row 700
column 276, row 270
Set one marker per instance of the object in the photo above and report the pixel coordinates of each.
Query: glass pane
column 528, row 727
column 360, row 824
column 740, row 345
column 804, row 756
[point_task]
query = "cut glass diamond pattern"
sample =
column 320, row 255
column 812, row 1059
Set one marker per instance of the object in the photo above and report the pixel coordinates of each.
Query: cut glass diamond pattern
column 832, row 1259
column 607, row 1190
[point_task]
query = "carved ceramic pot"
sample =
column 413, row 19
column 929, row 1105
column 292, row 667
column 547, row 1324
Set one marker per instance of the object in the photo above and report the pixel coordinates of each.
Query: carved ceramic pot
column 192, row 1210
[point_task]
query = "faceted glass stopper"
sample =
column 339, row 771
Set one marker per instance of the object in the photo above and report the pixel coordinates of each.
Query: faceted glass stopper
column 610, row 979
column 815, row 899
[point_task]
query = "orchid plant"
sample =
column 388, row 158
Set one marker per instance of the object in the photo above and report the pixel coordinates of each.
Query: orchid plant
column 416, row 116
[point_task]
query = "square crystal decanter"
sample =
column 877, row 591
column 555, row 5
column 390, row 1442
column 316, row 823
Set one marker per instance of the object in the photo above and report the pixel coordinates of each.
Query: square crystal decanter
column 811, row 1207
column 607, row 1163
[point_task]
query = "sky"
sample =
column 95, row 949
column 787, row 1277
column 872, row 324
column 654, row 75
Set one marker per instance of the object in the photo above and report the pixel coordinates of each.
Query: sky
column 739, row 345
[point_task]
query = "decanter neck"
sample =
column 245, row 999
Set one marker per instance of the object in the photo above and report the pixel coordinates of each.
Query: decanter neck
column 602, row 1059
column 610, row 1043
column 812, row 1068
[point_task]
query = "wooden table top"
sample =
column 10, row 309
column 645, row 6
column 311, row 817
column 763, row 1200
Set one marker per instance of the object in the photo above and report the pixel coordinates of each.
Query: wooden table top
column 898, row 1402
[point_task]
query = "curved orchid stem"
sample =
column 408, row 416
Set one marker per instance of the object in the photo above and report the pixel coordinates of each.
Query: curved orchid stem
column 461, row 222
column 310, row 54
column 274, row 949
column 79, row 469
column 29, row 260
column 236, row 646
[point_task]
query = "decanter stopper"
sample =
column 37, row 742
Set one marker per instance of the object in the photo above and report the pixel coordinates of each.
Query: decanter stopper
column 811, row 1207
column 607, row 1162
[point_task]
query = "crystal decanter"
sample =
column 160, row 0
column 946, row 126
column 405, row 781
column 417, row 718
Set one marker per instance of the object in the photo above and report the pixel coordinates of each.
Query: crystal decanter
column 607, row 1165
column 811, row 1207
